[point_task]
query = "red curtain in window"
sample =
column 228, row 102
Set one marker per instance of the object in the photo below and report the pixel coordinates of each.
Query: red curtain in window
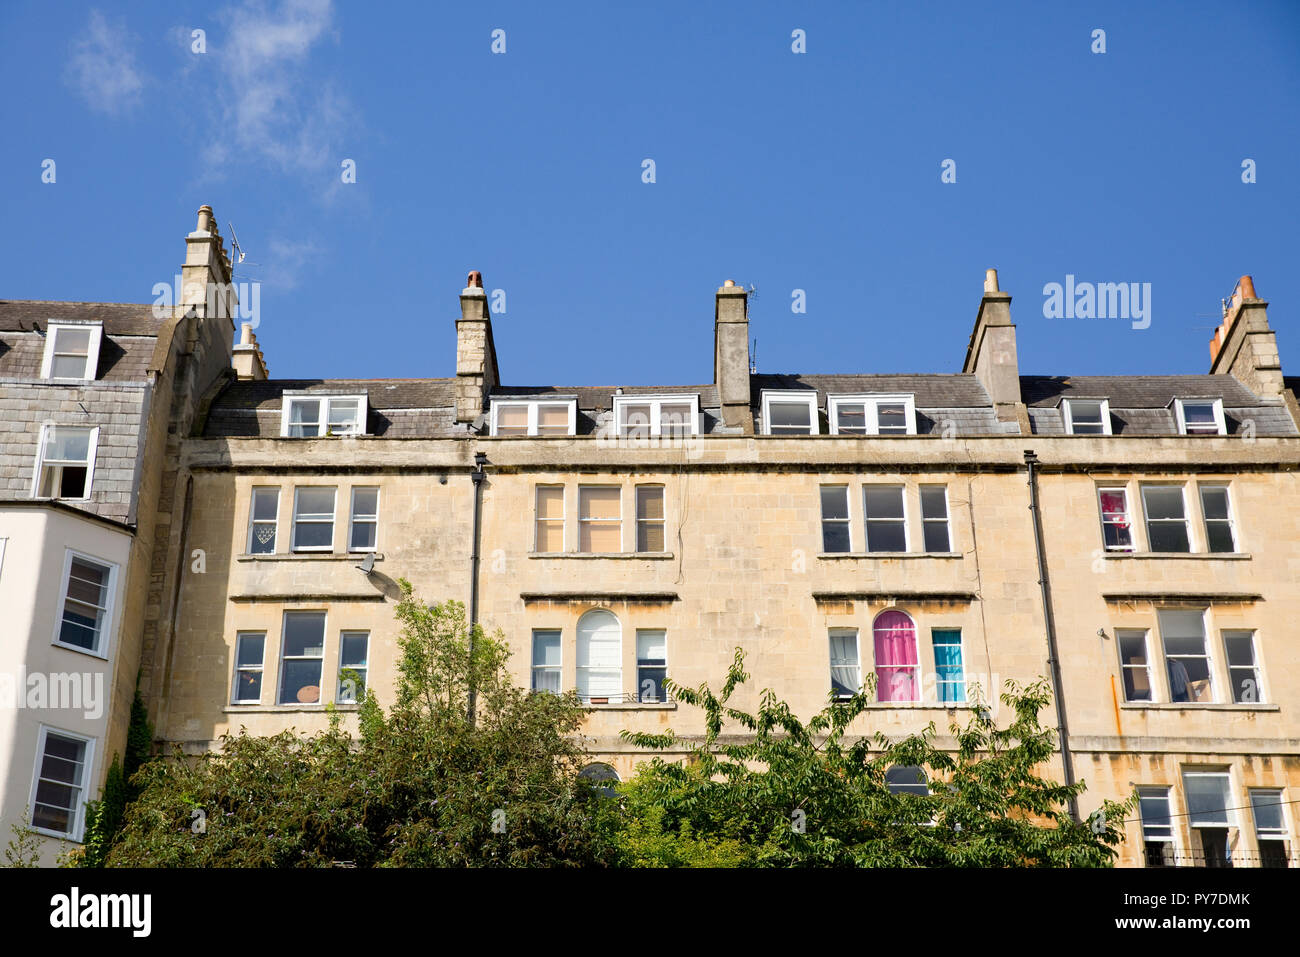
column 896, row 660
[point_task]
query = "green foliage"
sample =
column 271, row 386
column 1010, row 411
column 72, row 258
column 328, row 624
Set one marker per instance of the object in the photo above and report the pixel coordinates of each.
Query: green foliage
column 103, row 819
column 24, row 847
column 419, row 786
column 796, row 795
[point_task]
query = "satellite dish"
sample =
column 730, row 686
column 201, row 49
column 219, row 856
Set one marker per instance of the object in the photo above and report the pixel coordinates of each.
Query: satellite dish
column 367, row 564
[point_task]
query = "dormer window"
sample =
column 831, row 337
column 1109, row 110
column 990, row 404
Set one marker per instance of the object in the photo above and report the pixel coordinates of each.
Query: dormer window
column 71, row 350
column 1200, row 416
column 309, row 416
column 871, row 414
column 1086, row 416
column 642, row 416
column 534, row 416
column 789, row 413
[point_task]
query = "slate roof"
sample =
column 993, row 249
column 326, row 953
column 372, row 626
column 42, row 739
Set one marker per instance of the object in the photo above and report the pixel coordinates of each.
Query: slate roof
column 130, row 333
column 932, row 390
column 399, row 408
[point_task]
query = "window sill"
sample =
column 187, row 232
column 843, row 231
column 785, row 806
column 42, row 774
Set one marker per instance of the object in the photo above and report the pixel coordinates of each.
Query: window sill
column 285, row 708
column 1197, row 706
column 633, row 706
column 58, row 835
column 81, row 651
column 310, row 557
column 880, row 555
column 1201, row 556
column 647, row 556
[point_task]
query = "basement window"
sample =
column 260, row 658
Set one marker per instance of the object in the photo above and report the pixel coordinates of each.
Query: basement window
column 534, row 416
column 1200, row 416
column 789, row 413
column 71, row 350
column 65, row 462
column 871, row 414
column 1086, row 416
column 315, row 415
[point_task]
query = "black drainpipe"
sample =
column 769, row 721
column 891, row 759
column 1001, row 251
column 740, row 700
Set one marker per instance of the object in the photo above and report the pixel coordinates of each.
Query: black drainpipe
column 480, row 459
column 1053, row 659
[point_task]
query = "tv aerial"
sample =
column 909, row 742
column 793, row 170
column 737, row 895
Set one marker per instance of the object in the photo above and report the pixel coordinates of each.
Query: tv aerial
column 239, row 250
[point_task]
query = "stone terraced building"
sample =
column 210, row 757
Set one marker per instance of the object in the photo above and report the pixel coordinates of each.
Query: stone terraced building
column 835, row 527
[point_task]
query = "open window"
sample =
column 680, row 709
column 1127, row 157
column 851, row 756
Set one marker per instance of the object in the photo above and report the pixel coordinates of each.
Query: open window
column 65, row 462
column 71, row 350
column 871, row 414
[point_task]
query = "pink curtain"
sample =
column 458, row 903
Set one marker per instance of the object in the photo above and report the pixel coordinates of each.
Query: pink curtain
column 1113, row 506
column 895, row 640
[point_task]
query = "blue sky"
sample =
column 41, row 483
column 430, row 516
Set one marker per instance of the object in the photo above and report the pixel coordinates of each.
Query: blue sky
column 817, row 171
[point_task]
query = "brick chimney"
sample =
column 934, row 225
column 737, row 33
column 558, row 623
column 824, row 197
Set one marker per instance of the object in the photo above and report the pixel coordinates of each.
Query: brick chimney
column 991, row 354
column 476, row 355
column 731, row 356
column 248, row 360
column 1244, row 346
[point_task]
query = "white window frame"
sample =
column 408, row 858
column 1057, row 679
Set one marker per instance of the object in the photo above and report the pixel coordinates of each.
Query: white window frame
column 532, row 405
column 582, row 520
column 1231, row 520
column 1219, row 421
column 91, row 452
column 87, row 771
column 562, row 520
column 362, row 670
column 656, row 401
column 534, row 667
column 293, row 544
column 283, row 657
column 640, row 522
column 1146, row 519
column 938, row 675
column 806, row 396
column 1258, row 672
column 831, row 634
column 238, row 669
column 92, row 351
column 365, row 519
column 866, row 519
column 639, row 666
column 253, row 523
column 1067, row 413
column 1125, row 667
column 107, row 632
column 946, row 521
column 846, row 521
column 1128, row 517
column 1284, row 833
column 326, row 400
column 1229, row 801
column 871, row 402
column 1158, row 791
column 1207, row 645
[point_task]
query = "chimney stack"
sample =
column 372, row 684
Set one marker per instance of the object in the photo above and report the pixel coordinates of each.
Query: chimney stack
column 991, row 354
column 731, row 356
column 1244, row 346
column 248, row 360
column 476, row 356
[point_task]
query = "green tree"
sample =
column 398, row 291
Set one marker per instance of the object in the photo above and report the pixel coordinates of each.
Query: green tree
column 811, row 794
column 419, row 786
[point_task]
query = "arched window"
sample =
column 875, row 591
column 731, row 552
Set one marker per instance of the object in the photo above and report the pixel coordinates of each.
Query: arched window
column 600, row 657
column 897, row 676
column 906, row 779
column 600, row 776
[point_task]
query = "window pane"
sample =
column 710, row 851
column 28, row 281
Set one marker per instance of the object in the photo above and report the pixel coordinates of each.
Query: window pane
column 851, row 418
column 65, row 444
column 304, row 634
column 353, row 649
column 895, row 646
column 304, row 411
column 1200, row 416
column 68, row 367
column 512, row 420
column 906, row 780
column 265, row 501
column 598, row 537
column 599, row 502
column 846, row 676
column 951, row 683
column 301, row 684
column 363, row 536
column 248, row 685
column 365, row 502
column 72, row 341
column 344, row 415
column 1267, row 808
column 635, row 418
column 835, row 501
column 249, row 651
column 884, row 502
column 650, row 503
column 934, row 502
column 1207, row 799
column 550, row 502
column 552, row 420
column 1215, row 502
column 936, row 537
column 790, row 416
column 650, row 538
column 315, row 501
column 835, row 537
column 546, row 649
column 1163, row 503
column 1153, row 806
column 892, row 418
column 550, row 536
column 314, row 535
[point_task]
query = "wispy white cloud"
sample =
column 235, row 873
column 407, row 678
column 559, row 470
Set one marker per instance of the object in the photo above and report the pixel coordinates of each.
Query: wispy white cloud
column 102, row 68
column 285, row 262
column 273, row 106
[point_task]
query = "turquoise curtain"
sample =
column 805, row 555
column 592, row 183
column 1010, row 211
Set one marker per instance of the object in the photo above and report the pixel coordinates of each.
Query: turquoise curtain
column 951, row 682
